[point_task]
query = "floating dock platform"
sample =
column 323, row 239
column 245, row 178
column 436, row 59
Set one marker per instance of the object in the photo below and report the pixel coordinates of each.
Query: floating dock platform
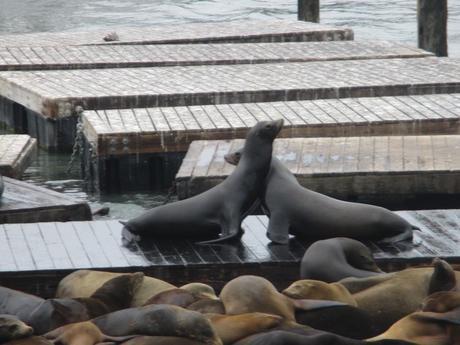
column 125, row 145
column 36, row 256
column 25, row 203
column 384, row 170
column 219, row 32
column 123, row 56
column 52, row 99
column 17, row 151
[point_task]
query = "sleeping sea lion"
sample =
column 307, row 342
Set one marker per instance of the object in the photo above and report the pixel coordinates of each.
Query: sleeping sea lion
column 83, row 283
column 337, row 258
column 296, row 210
column 315, row 289
column 200, row 290
column 208, row 306
column 12, row 328
column 222, row 208
column 247, row 294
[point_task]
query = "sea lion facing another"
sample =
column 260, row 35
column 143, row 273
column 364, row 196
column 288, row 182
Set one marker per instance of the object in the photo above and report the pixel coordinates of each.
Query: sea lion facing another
column 83, row 283
column 222, row 208
column 337, row 258
column 296, row 210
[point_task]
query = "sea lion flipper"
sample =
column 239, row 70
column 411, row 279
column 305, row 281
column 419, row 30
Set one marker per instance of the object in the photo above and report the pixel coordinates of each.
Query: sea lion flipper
column 452, row 316
column 443, row 277
column 278, row 229
column 406, row 235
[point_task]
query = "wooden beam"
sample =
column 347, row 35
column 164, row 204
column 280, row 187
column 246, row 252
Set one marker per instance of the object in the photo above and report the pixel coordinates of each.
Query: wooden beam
column 308, row 10
column 432, row 26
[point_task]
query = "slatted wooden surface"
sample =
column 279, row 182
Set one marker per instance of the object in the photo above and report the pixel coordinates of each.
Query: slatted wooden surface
column 98, row 244
column 235, row 31
column 16, row 153
column 341, row 166
column 25, row 203
column 132, row 131
column 58, row 93
column 118, row 56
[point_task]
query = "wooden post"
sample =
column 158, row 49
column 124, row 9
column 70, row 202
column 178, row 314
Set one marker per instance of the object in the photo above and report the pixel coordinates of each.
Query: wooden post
column 432, row 26
column 308, row 10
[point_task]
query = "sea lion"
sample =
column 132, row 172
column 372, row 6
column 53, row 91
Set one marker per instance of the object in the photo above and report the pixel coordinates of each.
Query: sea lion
column 158, row 320
column 390, row 297
column 280, row 337
column 315, row 289
column 12, row 328
column 296, row 210
column 247, row 294
column 222, row 208
column 158, row 340
column 208, row 306
column 179, row 297
column 231, row 328
column 2, row 186
column 337, row 258
column 83, row 283
column 200, row 290
column 441, row 302
column 82, row 333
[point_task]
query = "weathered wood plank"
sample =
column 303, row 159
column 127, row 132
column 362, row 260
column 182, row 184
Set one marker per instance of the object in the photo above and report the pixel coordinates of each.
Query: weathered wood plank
column 24, row 202
column 122, row 56
column 231, row 32
column 372, row 166
column 16, row 153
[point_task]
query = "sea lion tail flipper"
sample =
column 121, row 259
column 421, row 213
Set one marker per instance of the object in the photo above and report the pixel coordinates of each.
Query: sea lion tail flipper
column 313, row 304
column 415, row 228
column 443, row 277
column 406, row 235
column 226, row 238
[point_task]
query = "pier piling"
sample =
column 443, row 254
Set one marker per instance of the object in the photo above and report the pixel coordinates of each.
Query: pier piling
column 432, row 26
column 308, row 10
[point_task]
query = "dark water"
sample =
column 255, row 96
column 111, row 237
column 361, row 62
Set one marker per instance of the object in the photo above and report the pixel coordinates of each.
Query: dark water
column 370, row 19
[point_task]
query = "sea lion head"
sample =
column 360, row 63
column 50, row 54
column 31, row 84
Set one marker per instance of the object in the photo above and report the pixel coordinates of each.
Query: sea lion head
column 267, row 130
column 13, row 328
column 319, row 290
column 358, row 255
column 233, row 158
column 200, row 290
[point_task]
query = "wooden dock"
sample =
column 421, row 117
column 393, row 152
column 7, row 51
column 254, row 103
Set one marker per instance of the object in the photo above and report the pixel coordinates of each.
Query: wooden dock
column 16, row 153
column 25, row 203
column 36, row 256
column 388, row 170
column 222, row 32
column 123, row 56
column 136, row 139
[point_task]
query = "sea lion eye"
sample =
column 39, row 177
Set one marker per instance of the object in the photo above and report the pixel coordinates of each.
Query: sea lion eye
column 268, row 126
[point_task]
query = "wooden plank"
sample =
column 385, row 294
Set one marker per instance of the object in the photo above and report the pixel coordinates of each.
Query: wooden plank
column 16, row 153
column 342, row 166
column 232, row 31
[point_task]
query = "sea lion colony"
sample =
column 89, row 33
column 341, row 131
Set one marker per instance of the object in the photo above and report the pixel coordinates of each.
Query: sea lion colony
column 341, row 297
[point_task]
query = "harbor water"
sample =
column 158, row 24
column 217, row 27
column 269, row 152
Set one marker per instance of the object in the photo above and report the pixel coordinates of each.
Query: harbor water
column 370, row 19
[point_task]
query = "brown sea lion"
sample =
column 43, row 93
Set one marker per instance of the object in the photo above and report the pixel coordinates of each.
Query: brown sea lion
column 441, row 302
column 200, row 290
column 231, row 328
column 390, row 297
column 296, row 210
column 247, row 294
column 208, row 306
column 82, row 333
column 221, row 209
column 337, row 258
column 315, row 289
column 83, row 283
column 12, row 328
column 159, row 320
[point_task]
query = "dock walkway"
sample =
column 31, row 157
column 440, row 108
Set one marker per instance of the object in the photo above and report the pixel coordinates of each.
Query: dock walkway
column 25, row 203
column 16, row 153
column 37, row 256
column 383, row 169
column 122, row 56
column 221, row 32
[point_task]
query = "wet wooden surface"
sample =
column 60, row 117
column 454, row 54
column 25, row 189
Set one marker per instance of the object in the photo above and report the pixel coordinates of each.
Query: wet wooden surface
column 340, row 166
column 25, row 203
column 35, row 252
column 234, row 31
column 17, row 151
column 119, row 56
column 172, row 129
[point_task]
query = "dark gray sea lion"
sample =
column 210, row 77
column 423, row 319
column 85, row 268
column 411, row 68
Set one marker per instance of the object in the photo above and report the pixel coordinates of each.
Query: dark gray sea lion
column 248, row 294
column 300, row 211
column 337, row 258
column 158, row 340
column 222, row 208
column 34, row 340
column 12, row 328
column 158, row 320
column 287, row 338
column 2, row 186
